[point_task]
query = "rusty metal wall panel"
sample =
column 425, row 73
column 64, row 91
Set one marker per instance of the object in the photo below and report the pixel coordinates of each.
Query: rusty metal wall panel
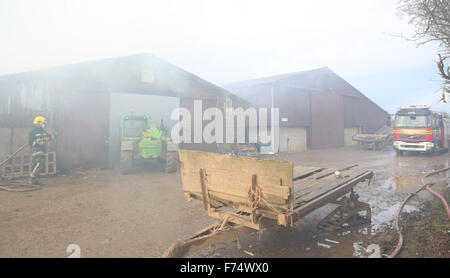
column 188, row 103
column 22, row 99
column 327, row 121
column 295, row 105
column 373, row 117
column 338, row 85
column 360, row 112
column 353, row 113
column 83, row 127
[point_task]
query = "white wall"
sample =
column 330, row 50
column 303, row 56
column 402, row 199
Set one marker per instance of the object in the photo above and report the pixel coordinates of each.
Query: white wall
column 348, row 134
column 293, row 139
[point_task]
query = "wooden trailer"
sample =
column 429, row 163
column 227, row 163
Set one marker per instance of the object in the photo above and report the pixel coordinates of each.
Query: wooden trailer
column 248, row 194
column 373, row 141
column 379, row 140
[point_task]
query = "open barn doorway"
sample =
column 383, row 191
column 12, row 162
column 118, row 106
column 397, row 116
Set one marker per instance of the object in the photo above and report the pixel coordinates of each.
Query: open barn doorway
column 157, row 107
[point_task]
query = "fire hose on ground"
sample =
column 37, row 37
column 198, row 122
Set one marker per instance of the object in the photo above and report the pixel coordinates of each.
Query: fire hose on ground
column 424, row 186
column 14, row 186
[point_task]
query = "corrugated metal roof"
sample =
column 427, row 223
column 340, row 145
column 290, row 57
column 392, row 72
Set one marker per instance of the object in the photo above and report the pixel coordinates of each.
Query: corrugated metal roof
column 270, row 79
column 320, row 80
column 104, row 68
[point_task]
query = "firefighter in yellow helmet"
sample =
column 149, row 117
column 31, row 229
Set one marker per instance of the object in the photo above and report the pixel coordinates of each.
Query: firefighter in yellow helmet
column 38, row 139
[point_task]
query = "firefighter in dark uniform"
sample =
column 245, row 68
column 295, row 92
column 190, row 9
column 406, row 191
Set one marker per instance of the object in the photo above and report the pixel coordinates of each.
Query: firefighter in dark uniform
column 37, row 140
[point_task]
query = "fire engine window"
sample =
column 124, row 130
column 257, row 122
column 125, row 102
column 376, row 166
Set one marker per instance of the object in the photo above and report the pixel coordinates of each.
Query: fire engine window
column 408, row 121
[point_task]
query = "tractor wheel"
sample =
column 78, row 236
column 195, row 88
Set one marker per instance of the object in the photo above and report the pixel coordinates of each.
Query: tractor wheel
column 171, row 162
column 126, row 162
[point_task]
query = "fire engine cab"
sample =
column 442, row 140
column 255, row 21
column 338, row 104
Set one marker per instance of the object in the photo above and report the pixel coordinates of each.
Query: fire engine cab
column 418, row 129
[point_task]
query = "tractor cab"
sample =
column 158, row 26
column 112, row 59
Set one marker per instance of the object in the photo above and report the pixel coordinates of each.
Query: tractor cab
column 142, row 142
column 133, row 126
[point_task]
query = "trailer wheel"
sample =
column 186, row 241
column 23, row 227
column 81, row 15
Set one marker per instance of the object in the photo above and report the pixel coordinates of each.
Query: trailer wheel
column 171, row 162
column 126, row 162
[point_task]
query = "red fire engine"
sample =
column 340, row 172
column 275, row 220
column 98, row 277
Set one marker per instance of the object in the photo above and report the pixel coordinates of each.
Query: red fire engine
column 418, row 129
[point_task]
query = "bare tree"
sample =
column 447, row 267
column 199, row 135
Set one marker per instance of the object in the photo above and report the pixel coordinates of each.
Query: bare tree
column 432, row 23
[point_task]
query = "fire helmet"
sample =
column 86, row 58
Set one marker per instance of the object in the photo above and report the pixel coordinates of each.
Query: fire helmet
column 39, row 120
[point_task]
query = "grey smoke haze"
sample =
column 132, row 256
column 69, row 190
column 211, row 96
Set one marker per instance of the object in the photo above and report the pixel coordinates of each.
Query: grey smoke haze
column 226, row 41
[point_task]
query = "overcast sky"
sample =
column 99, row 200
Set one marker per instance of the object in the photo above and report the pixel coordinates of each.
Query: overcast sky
column 226, row 41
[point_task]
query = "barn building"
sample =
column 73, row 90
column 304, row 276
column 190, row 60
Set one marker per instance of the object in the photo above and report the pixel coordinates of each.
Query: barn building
column 317, row 108
column 81, row 102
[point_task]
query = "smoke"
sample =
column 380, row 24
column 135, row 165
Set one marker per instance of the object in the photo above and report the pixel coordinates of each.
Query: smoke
column 220, row 41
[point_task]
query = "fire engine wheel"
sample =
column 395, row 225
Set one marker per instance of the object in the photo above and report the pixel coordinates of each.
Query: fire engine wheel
column 399, row 152
column 126, row 162
column 171, row 162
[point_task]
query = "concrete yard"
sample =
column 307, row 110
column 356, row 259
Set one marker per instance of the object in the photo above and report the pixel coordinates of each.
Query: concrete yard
column 140, row 215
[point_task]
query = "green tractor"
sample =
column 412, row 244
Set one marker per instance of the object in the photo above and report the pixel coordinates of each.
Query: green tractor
column 143, row 142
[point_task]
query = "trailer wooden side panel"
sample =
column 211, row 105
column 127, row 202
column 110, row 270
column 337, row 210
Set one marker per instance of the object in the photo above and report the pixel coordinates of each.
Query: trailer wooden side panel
column 228, row 179
column 259, row 193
